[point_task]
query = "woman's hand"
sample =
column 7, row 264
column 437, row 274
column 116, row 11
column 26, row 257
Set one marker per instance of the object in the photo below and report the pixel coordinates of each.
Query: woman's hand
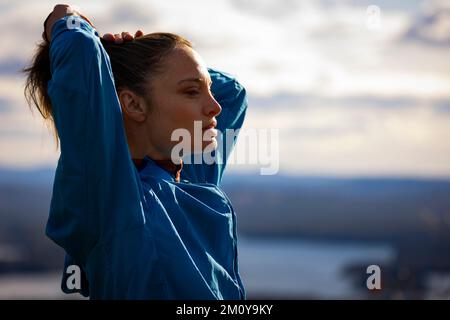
column 62, row 10
column 121, row 38
column 59, row 11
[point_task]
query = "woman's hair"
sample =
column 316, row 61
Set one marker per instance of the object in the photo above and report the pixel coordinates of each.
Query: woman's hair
column 133, row 64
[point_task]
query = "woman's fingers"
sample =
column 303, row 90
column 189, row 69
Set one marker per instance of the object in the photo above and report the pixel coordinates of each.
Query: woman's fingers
column 108, row 37
column 126, row 36
column 138, row 33
column 118, row 39
column 122, row 37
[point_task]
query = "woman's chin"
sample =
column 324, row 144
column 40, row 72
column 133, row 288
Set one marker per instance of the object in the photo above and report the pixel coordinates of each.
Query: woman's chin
column 209, row 146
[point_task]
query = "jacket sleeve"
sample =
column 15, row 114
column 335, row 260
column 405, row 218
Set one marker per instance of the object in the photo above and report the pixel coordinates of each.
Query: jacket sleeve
column 232, row 97
column 97, row 209
column 96, row 191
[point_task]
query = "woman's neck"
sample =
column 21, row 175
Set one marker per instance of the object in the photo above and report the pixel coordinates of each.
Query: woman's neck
column 140, row 146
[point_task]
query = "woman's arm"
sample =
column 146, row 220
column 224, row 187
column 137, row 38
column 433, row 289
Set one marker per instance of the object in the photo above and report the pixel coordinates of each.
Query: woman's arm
column 232, row 97
column 96, row 192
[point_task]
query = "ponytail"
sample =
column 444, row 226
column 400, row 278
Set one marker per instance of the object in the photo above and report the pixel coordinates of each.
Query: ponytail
column 38, row 76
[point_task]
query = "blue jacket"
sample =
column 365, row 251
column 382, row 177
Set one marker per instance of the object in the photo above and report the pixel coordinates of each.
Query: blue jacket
column 134, row 234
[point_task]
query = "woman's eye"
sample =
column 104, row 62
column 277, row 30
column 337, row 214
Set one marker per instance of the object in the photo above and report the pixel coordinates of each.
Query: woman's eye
column 192, row 92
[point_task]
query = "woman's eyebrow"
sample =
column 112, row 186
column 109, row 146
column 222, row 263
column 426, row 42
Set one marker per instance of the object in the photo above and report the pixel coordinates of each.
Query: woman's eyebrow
column 199, row 80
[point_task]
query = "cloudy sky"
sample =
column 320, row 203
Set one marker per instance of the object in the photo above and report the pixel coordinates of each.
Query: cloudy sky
column 349, row 97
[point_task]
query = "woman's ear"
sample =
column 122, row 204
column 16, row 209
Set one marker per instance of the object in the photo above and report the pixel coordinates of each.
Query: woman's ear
column 133, row 105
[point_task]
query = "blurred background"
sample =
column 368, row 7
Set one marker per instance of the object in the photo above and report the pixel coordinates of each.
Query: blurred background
column 360, row 91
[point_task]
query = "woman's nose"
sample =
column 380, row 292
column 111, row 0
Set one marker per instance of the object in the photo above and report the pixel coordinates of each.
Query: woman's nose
column 212, row 108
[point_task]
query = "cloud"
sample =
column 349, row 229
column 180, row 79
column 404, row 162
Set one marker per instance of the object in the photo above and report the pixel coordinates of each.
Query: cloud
column 348, row 100
column 272, row 9
column 357, row 136
column 442, row 105
column 432, row 26
column 11, row 66
column 132, row 12
column 289, row 101
column 311, row 47
column 5, row 105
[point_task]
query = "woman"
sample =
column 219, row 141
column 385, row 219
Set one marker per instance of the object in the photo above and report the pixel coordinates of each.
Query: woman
column 136, row 224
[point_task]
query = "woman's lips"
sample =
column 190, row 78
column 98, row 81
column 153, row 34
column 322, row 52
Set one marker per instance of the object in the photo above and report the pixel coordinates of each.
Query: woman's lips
column 211, row 125
column 210, row 131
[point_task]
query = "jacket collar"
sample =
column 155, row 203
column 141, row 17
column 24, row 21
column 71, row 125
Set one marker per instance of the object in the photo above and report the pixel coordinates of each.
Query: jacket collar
column 159, row 169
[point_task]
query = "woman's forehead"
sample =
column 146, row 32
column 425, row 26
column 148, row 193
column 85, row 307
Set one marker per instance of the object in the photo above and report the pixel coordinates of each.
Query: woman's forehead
column 184, row 66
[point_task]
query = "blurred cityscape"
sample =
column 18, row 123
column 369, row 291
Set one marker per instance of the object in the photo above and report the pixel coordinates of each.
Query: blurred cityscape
column 299, row 237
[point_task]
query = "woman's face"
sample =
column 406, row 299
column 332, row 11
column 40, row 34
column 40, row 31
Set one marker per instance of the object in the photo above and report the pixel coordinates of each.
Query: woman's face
column 181, row 95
